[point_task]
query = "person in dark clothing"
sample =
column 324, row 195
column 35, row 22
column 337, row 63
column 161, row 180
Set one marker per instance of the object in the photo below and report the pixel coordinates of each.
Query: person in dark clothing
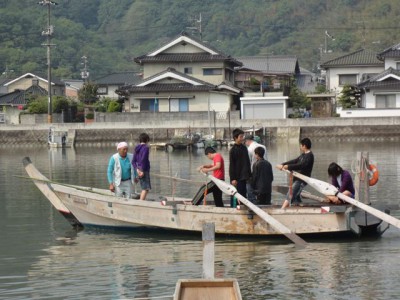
column 262, row 177
column 342, row 180
column 141, row 164
column 303, row 165
column 239, row 163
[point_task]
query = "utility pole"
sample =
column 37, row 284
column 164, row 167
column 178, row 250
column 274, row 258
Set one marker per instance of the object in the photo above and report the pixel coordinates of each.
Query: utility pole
column 85, row 72
column 326, row 42
column 197, row 27
column 48, row 32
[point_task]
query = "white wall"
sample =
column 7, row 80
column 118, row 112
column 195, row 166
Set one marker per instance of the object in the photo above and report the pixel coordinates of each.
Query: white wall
column 332, row 75
column 365, row 112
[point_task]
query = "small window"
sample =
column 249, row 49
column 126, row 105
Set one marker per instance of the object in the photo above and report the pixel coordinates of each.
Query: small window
column 212, row 71
column 102, row 90
column 347, row 79
column 179, row 105
column 188, row 70
column 149, row 105
column 398, row 65
column 385, row 101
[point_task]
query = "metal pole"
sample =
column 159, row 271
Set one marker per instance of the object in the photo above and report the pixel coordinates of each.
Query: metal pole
column 49, row 108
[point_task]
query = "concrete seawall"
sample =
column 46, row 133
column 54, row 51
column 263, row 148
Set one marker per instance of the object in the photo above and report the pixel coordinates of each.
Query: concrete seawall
column 107, row 133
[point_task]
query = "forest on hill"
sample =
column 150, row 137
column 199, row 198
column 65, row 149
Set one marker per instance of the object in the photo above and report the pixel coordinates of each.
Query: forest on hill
column 111, row 33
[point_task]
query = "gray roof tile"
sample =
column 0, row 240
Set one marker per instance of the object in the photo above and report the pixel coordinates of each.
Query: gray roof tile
column 122, row 78
column 277, row 64
column 361, row 57
column 373, row 81
column 393, row 51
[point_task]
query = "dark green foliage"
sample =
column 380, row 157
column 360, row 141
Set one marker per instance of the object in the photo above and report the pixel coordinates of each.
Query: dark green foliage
column 38, row 105
column 349, row 97
column 88, row 93
column 114, row 106
column 112, row 33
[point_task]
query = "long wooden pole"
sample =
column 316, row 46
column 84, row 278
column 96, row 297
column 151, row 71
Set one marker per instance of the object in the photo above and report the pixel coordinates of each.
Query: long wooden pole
column 231, row 190
column 328, row 190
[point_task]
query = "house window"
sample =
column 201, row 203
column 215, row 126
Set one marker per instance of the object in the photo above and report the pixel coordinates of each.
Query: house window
column 212, row 71
column 347, row 79
column 188, row 70
column 149, row 105
column 398, row 65
column 179, row 105
column 102, row 90
column 385, row 101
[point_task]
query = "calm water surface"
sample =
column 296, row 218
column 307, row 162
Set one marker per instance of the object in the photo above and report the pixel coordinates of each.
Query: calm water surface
column 41, row 257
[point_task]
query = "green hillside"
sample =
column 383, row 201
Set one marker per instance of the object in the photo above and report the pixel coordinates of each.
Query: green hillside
column 111, row 33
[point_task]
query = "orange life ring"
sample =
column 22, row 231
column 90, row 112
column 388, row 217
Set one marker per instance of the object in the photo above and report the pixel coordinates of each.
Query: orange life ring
column 373, row 175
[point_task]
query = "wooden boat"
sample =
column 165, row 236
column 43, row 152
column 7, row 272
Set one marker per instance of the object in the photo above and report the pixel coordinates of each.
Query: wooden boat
column 99, row 207
column 200, row 289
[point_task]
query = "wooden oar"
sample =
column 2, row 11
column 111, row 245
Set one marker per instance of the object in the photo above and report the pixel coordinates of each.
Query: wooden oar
column 284, row 189
column 329, row 190
column 231, row 190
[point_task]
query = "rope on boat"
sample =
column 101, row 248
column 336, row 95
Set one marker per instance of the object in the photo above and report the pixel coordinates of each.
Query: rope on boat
column 177, row 178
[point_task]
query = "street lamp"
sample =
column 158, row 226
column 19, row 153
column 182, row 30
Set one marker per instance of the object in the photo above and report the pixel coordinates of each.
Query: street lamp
column 48, row 32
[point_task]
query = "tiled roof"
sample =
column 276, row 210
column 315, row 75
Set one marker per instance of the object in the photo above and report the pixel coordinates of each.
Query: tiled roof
column 18, row 97
column 393, row 51
column 123, row 78
column 187, row 57
column 184, row 57
column 277, row 64
column 167, row 86
column 360, row 57
column 374, row 81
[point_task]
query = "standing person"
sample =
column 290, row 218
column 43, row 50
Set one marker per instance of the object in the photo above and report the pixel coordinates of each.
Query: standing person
column 342, row 180
column 120, row 173
column 239, row 164
column 303, row 165
column 218, row 168
column 262, row 177
column 251, row 146
column 141, row 164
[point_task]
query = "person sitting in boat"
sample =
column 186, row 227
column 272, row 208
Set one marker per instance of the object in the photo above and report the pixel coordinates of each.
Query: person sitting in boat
column 141, row 164
column 262, row 177
column 218, row 169
column 303, row 165
column 342, row 180
column 120, row 174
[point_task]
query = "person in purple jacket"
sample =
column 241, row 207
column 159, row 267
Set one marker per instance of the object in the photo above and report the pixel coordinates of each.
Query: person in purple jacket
column 141, row 164
column 342, row 180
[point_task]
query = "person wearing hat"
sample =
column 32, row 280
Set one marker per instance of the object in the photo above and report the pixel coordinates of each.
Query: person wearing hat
column 251, row 146
column 120, row 173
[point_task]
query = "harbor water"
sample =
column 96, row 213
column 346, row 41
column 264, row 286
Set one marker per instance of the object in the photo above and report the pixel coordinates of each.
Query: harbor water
column 43, row 257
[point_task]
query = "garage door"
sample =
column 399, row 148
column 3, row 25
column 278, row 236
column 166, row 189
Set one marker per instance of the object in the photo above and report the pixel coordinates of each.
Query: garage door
column 263, row 111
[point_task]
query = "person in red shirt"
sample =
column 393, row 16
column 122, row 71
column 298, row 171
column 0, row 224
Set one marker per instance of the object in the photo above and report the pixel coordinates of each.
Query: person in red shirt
column 218, row 169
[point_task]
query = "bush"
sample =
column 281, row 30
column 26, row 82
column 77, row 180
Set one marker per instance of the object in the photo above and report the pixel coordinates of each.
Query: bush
column 89, row 116
column 114, row 106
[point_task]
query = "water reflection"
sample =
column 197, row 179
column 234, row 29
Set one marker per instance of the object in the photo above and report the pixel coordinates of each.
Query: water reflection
column 41, row 257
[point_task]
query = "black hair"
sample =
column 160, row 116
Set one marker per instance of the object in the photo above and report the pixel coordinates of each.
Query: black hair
column 334, row 170
column 144, row 138
column 209, row 150
column 259, row 151
column 306, row 142
column 236, row 132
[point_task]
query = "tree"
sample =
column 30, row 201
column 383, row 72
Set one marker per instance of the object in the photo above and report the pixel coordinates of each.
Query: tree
column 297, row 99
column 349, row 97
column 88, row 93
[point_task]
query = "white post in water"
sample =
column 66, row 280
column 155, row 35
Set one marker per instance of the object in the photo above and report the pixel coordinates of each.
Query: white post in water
column 208, row 237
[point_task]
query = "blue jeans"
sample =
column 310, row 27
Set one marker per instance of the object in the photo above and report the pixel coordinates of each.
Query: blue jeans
column 250, row 193
column 297, row 188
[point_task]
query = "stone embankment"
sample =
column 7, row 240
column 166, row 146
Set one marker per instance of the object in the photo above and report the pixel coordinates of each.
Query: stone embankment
column 161, row 130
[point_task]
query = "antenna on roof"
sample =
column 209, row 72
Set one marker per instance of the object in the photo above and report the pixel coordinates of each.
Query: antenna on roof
column 197, row 26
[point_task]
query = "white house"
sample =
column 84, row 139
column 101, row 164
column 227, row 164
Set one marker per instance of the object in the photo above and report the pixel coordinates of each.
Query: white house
column 263, row 106
column 351, row 68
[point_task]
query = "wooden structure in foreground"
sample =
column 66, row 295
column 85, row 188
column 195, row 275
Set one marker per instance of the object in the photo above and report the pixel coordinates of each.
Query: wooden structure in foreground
column 207, row 289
